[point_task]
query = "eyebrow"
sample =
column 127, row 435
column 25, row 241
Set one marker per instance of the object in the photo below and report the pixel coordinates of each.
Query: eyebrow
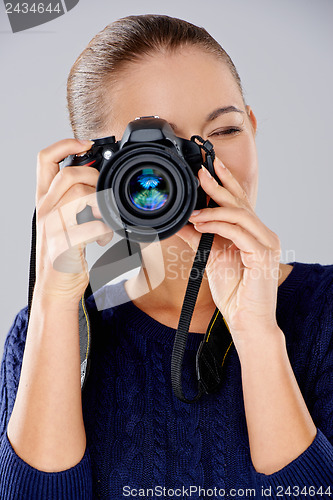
column 222, row 111
column 215, row 114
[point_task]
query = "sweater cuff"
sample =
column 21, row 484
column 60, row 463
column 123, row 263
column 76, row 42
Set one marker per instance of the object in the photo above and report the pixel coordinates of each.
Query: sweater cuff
column 19, row 480
column 314, row 467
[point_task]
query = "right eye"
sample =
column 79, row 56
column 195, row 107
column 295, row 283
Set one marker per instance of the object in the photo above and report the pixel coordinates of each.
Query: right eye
column 228, row 131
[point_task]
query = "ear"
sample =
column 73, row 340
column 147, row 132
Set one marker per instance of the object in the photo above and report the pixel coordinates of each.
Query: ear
column 252, row 118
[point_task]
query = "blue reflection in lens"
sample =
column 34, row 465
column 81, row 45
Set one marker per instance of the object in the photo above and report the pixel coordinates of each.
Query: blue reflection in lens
column 149, row 190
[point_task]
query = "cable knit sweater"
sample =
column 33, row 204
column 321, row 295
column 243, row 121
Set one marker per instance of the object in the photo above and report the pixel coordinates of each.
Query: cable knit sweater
column 143, row 442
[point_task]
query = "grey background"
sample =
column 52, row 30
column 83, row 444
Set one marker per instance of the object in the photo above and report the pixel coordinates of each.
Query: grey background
column 283, row 52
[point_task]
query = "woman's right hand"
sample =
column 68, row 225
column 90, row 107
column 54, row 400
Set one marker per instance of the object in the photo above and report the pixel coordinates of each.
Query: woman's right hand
column 61, row 267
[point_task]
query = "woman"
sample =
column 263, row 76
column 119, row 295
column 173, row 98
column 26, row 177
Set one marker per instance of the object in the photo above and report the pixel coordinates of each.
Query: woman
column 269, row 428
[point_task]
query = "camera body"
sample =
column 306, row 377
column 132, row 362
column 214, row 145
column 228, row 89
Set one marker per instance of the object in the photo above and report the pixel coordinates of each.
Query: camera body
column 148, row 183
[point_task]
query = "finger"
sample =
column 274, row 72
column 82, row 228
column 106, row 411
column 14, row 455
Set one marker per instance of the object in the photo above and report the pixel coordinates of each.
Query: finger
column 218, row 193
column 89, row 232
column 230, row 194
column 240, row 216
column 48, row 161
column 65, row 180
column 105, row 240
column 60, row 241
column 253, row 253
column 229, row 181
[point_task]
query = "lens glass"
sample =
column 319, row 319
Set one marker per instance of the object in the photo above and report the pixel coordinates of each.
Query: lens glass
column 149, row 189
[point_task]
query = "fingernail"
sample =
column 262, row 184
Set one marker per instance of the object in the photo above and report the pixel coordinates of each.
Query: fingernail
column 206, row 172
column 221, row 164
column 195, row 212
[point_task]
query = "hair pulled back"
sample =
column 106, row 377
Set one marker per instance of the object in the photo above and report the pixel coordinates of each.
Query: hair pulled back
column 125, row 41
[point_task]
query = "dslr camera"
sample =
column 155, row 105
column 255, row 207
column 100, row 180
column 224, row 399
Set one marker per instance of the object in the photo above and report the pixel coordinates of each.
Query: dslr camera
column 148, row 181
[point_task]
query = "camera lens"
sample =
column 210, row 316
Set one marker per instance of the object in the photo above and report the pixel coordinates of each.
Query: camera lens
column 149, row 189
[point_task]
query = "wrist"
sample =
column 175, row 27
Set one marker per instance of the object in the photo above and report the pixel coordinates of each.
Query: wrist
column 266, row 343
column 50, row 298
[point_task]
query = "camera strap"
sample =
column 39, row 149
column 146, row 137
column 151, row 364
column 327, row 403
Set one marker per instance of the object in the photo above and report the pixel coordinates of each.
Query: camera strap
column 32, row 268
column 213, row 349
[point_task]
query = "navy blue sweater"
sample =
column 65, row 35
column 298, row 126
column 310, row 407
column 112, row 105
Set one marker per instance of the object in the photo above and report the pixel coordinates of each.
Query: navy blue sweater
column 144, row 442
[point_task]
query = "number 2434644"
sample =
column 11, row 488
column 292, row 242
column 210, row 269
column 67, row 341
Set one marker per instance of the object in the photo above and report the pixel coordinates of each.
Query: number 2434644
column 35, row 8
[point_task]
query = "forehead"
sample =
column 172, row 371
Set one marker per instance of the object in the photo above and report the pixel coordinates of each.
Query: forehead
column 182, row 88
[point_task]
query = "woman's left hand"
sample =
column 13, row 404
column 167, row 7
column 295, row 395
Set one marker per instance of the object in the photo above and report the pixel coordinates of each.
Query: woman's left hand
column 243, row 277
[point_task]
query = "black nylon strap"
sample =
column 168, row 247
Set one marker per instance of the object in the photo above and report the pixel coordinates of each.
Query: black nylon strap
column 32, row 269
column 191, row 294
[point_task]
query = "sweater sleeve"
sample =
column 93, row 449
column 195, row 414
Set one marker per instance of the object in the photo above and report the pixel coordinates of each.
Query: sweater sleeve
column 19, row 480
column 311, row 473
